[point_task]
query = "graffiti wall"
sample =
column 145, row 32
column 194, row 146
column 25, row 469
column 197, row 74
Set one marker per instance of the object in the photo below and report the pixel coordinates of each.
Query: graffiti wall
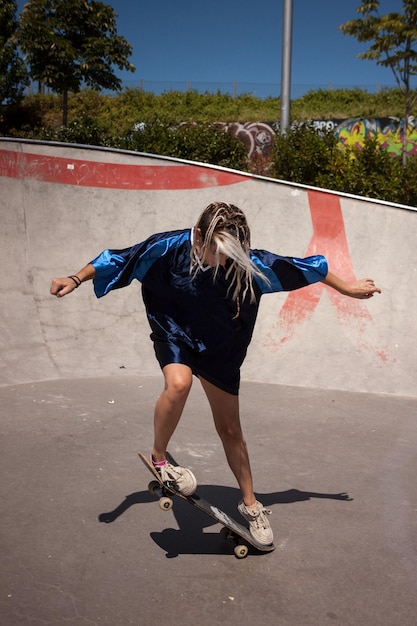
column 389, row 132
column 258, row 137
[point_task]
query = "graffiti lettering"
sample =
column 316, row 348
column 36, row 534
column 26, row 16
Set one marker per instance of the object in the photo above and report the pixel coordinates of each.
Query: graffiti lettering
column 258, row 137
column 388, row 131
column 326, row 125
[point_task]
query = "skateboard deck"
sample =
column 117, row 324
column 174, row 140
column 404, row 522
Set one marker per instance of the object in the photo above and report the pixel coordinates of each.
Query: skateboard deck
column 232, row 529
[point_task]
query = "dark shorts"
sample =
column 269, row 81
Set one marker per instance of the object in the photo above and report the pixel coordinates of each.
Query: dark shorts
column 211, row 367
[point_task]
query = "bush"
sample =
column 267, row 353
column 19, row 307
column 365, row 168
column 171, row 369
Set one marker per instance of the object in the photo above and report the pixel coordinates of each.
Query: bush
column 85, row 131
column 408, row 192
column 195, row 142
column 303, row 155
column 374, row 172
column 183, row 125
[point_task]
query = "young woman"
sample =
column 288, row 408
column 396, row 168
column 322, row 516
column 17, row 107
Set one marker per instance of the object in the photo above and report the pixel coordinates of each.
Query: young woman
column 201, row 289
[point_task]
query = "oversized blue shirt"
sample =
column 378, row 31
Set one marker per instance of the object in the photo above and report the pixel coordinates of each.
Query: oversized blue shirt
column 196, row 310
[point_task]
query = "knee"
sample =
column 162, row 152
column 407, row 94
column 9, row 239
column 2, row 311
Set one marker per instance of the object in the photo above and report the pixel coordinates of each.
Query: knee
column 178, row 387
column 230, row 433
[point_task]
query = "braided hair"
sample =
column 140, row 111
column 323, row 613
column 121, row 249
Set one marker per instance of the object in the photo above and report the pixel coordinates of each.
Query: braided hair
column 225, row 226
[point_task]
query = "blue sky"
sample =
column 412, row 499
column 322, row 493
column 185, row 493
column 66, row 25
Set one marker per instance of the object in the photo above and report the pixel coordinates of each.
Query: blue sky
column 225, row 41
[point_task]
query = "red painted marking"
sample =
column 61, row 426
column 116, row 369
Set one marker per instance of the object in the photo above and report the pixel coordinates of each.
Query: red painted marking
column 329, row 239
column 83, row 173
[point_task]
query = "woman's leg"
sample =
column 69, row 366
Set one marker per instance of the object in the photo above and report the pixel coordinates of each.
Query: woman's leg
column 169, row 406
column 225, row 409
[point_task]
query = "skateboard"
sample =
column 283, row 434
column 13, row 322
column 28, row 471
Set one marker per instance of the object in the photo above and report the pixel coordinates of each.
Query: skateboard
column 231, row 530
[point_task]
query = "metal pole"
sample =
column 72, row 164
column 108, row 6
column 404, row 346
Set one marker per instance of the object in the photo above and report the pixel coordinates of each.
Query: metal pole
column 286, row 66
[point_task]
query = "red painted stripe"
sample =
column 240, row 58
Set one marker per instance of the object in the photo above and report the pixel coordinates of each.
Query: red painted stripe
column 83, row 173
column 329, row 238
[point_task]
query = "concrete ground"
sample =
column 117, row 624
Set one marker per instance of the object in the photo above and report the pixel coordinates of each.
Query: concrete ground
column 83, row 542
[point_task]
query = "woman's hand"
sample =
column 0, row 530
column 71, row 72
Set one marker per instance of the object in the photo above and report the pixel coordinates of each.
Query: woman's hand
column 362, row 289
column 62, row 286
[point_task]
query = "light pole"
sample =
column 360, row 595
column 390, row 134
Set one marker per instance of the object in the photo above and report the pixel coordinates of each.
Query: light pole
column 286, row 66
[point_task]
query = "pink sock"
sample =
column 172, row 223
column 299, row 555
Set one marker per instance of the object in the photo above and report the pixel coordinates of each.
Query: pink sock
column 158, row 463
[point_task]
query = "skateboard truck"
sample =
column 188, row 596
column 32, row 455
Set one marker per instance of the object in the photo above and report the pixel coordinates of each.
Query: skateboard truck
column 165, row 501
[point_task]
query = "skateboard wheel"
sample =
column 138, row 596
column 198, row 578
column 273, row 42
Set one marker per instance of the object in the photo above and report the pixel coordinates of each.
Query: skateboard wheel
column 241, row 551
column 166, row 504
column 154, row 486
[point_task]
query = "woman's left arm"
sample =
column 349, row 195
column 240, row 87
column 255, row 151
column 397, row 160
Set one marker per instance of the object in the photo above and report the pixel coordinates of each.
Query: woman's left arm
column 362, row 289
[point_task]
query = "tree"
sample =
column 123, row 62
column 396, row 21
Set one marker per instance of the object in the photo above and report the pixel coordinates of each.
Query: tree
column 72, row 43
column 394, row 38
column 13, row 74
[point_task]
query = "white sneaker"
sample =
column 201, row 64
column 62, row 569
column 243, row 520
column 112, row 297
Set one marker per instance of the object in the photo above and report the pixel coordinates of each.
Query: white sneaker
column 181, row 478
column 259, row 526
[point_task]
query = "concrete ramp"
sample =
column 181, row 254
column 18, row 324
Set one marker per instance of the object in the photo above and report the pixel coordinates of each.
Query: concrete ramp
column 61, row 205
column 83, row 541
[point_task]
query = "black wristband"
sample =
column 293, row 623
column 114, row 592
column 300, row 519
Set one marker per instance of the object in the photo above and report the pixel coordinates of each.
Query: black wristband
column 76, row 280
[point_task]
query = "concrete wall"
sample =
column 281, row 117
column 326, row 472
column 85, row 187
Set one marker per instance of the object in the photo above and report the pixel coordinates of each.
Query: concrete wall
column 61, row 205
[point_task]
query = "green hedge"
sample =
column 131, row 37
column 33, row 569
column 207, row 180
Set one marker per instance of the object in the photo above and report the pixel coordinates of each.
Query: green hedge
column 144, row 122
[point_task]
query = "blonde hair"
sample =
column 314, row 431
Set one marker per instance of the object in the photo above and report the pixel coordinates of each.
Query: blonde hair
column 225, row 226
